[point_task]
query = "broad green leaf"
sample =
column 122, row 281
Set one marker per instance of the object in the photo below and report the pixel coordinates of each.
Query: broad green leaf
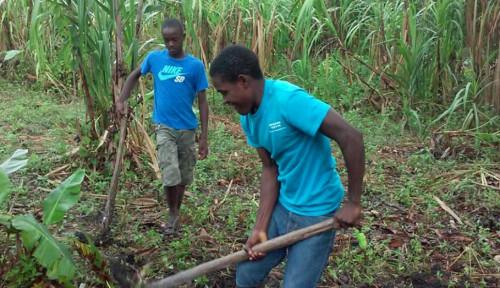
column 11, row 54
column 47, row 250
column 4, row 187
column 15, row 162
column 62, row 198
column 5, row 220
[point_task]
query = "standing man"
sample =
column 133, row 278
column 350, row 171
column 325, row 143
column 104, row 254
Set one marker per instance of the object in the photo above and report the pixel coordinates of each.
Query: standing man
column 178, row 79
column 300, row 186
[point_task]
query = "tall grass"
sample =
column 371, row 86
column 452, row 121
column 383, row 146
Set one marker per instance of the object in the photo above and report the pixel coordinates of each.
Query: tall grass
column 412, row 55
column 483, row 42
column 84, row 36
column 15, row 19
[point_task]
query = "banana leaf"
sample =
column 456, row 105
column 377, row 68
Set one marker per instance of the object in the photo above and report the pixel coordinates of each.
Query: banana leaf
column 49, row 252
column 62, row 198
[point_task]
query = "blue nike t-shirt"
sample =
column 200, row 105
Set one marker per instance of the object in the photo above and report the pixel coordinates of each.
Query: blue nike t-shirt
column 176, row 84
column 286, row 125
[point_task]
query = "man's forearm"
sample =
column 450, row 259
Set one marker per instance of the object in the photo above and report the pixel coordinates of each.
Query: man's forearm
column 268, row 195
column 203, row 105
column 129, row 85
column 354, row 155
column 350, row 142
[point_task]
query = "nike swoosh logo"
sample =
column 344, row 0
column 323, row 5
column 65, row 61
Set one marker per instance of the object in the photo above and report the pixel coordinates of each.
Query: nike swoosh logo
column 163, row 77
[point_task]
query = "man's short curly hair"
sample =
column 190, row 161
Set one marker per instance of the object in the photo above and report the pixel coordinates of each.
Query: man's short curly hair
column 233, row 61
column 172, row 23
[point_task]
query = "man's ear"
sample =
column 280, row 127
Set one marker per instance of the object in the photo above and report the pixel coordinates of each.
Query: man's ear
column 244, row 80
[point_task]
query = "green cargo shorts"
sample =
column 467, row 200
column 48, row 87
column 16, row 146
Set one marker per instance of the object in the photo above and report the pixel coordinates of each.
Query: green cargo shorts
column 176, row 155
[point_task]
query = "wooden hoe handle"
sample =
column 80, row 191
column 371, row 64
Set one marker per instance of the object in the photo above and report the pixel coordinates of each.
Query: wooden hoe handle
column 234, row 258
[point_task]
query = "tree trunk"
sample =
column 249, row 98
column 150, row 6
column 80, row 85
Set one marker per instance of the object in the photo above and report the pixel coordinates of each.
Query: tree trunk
column 117, row 86
column 495, row 89
column 89, row 101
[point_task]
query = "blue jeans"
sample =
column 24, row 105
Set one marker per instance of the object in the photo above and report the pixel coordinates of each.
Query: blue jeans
column 306, row 259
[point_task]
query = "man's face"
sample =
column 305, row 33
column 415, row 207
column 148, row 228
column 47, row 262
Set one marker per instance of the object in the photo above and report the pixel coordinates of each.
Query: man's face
column 173, row 38
column 239, row 94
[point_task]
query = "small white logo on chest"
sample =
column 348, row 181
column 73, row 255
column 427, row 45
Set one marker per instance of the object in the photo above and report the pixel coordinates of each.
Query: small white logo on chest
column 275, row 126
column 179, row 79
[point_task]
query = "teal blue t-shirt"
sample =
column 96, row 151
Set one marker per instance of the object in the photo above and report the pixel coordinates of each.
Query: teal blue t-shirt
column 286, row 125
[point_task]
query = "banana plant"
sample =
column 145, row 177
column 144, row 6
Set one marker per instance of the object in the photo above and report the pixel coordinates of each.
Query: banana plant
column 15, row 162
column 46, row 250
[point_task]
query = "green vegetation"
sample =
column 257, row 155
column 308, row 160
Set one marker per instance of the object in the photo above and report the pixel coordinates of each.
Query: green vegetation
column 39, row 242
column 420, row 79
column 409, row 236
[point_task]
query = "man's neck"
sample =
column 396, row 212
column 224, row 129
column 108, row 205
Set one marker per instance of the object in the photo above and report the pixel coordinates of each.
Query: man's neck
column 178, row 56
column 259, row 94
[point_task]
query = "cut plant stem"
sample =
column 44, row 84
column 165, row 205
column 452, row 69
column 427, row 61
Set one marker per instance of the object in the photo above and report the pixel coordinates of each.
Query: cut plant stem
column 110, row 202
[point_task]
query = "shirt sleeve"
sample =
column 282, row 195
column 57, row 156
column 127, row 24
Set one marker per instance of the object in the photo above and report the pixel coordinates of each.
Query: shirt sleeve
column 305, row 112
column 146, row 65
column 201, row 78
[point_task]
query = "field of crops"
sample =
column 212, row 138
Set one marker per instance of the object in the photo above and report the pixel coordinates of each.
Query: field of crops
column 419, row 78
